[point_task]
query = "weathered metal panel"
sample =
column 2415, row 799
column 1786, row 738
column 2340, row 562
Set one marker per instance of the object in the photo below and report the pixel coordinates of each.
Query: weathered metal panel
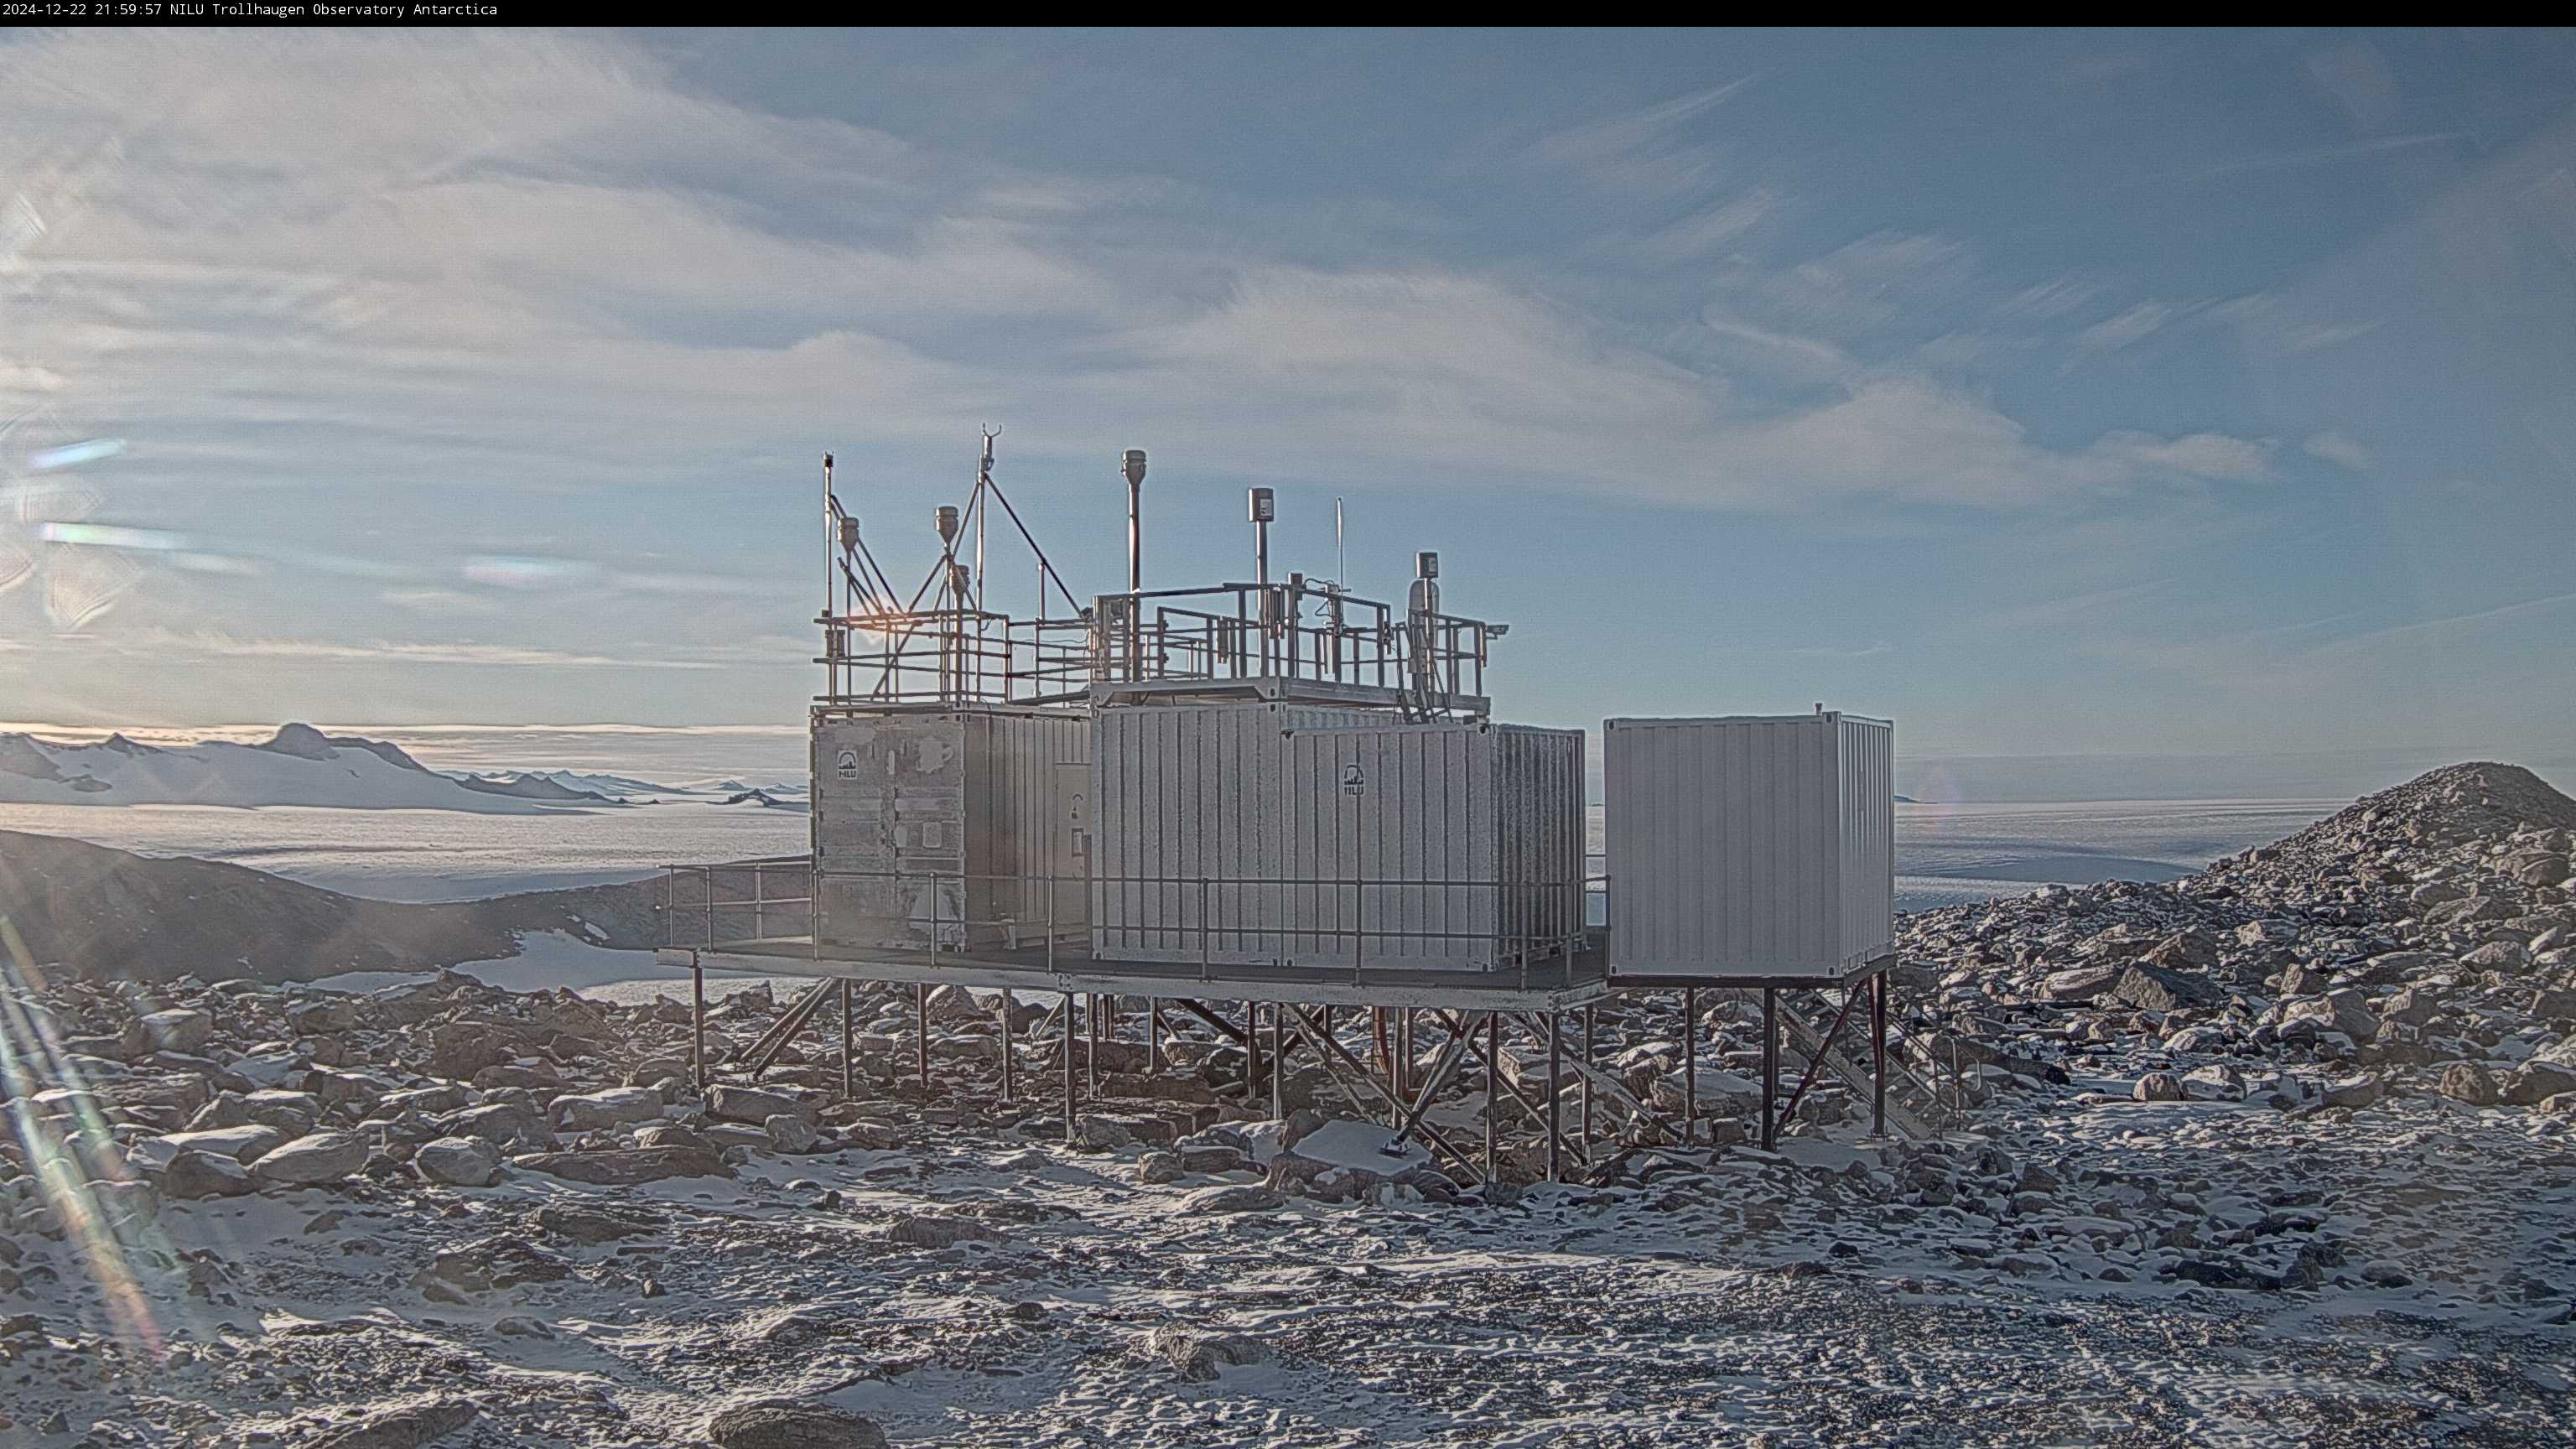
column 1185, row 800
column 935, row 824
column 1308, row 837
column 1749, row 845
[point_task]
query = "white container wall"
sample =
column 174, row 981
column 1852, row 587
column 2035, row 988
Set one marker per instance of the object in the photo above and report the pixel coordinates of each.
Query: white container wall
column 1750, row 846
column 1317, row 837
column 1185, row 794
column 949, row 824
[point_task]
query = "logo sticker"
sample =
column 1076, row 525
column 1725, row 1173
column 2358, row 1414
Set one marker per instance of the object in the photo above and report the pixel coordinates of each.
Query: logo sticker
column 846, row 764
column 1353, row 779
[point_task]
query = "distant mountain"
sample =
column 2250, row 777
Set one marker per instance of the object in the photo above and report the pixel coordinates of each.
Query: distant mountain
column 770, row 801
column 106, row 914
column 533, row 787
column 299, row 765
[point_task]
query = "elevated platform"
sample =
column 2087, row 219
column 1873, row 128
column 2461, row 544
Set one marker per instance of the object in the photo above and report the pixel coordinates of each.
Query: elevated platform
column 1553, row 986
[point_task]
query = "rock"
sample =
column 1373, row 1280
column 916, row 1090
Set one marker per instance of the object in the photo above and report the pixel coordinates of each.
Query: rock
column 2352, row 1093
column 2078, row 983
column 584, row 1224
column 204, row 1174
column 1197, row 1356
column 2538, row 870
column 2469, row 1082
column 2159, row 1087
column 785, row 1424
column 1236, row 1198
column 458, row 1161
column 408, row 1427
column 2498, row 956
column 790, row 1133
column 2535, row 1081
column 923, row 1232
column 178, row 1031
column 317, row 1158
column 1160, row 1167
column 503, row 1124
column 2154, row 988
column 754, row 1106
column 459, row 1049
column 626, row 1166
column 615, row 1107
column 487, row 1264
column 2186, row 950
column 244, row 1144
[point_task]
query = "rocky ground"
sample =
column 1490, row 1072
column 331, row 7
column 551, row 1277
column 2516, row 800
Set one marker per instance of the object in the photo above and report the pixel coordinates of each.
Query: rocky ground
column 2276, row 1154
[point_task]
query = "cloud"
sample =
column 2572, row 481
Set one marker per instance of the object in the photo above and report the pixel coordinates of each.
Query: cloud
column 2336, row 448
column 2130, row 327
column 1639, row 150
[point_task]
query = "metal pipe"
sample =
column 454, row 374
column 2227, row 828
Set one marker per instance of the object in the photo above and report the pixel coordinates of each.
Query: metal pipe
column 1586, row 1127
column 1690, row 1065
column 1493, row 1087
column 1878, row 1055
column 1278, row 1065
column 849, row 1045
column 921, row 1031
column 1068, row 1065
column 1770, row 1062
column 1554, row 1094
column 698, row 1006
column 1135, row 470
column 1007, row 1052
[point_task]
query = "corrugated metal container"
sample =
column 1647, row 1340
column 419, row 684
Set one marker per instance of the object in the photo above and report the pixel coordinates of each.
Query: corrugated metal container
column 1750, row 846
column 1273, row 834
column 1185, row 794
column 954, row 819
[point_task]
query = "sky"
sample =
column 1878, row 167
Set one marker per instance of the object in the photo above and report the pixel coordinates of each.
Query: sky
column 2054, row 394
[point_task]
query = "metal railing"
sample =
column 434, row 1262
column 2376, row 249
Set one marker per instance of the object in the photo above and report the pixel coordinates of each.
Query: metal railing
column 962, row 656
column 1338, row 922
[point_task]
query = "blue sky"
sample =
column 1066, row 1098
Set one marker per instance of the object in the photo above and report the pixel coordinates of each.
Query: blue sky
column 2050, row 393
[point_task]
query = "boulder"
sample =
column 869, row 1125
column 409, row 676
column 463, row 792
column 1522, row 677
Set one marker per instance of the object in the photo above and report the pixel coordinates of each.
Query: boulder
column 789, row 1132
column 2469, row 1082
column 459, row 1049
column 193, row 1175
column 2159, row 1087
column 178, row 1031
column 409, row 1426
column 615, row 1107
column 921, row 1232
column 786, row 1424
column 2535, row 1081
column 754, row 1106
column 1196, row 1356
column 1239, row 1198
column 315, row 1158
column 244, row 1144
column 458, row 1161
column 2155, row 988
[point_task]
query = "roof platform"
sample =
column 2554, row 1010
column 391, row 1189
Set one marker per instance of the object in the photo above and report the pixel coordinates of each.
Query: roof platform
column 1550, row 986
column 1292, row 689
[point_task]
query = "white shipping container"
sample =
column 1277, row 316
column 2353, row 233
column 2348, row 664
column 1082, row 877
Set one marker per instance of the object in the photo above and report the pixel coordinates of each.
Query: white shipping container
column 1750, row 846
column 949, row 824
column 1280, row 835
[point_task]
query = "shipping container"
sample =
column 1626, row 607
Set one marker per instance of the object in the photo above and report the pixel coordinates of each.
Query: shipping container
column 1185, row 797
column 1297, row 836
column 1750, row 846
column 965, row 827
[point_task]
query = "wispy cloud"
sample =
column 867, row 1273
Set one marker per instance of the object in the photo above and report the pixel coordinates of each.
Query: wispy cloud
column 1639, row 150
column 2336, row 448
